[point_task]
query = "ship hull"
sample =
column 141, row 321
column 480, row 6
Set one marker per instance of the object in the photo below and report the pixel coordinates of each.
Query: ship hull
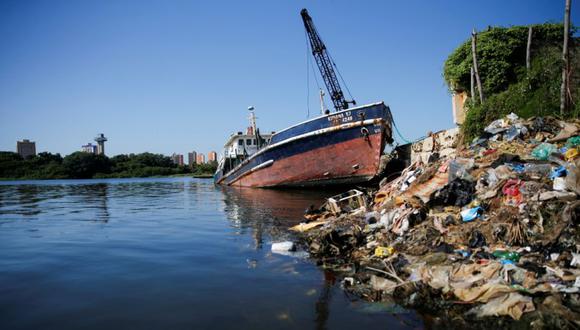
column 340, row 148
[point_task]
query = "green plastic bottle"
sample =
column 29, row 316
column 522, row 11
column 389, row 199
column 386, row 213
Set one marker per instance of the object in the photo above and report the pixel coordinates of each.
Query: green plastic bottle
column 507, row 255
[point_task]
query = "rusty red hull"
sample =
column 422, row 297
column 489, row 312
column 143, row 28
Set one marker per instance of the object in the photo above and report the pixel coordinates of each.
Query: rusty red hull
column 347, row 162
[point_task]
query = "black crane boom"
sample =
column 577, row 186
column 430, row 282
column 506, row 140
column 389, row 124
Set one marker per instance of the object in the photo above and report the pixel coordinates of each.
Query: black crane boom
column 324, row 64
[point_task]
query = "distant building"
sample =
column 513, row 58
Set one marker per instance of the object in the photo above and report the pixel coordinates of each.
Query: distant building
column 200, row 159
column 191, row 158
column 26, row 148
column 177, row 159
column 212, row 156
column 100, row 139
column 89, row 148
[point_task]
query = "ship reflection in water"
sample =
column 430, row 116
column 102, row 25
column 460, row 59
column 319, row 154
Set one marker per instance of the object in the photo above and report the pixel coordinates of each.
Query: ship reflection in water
column 175, row 253
column 268, row 211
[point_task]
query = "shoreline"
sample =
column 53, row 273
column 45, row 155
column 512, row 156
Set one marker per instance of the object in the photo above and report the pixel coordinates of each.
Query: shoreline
column 196, row 176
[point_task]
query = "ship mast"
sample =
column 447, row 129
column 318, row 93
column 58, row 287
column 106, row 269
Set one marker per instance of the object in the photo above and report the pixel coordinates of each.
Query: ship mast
column 255, row 130
column 252, row 119
column 322, row 102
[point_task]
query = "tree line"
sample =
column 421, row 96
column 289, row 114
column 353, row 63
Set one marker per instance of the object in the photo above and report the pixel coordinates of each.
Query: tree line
column 82, row 165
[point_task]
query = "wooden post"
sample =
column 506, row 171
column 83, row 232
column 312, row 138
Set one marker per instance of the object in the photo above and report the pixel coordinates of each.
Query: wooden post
column 472, row 85
column 566, row 63
column 475, row 69
column 528, row 48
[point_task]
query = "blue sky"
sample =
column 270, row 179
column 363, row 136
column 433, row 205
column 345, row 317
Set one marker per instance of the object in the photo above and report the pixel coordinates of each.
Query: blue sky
column 175, row 76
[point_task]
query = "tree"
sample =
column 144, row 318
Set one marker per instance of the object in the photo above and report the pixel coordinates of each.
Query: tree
column 83, row 165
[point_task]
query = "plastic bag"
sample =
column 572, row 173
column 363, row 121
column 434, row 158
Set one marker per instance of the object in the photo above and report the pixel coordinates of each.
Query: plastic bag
column 382, row 251
column 511, row 190
column 571, row 154
column 496, row 126
column 459, row 168
column 540, row 170
column 558, row 172
column 543, row 151
column 514, row 132
column 573, row 142
column 471, row 214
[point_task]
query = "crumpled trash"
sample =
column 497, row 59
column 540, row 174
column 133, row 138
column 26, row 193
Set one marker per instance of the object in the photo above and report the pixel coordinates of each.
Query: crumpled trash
column 514, row 132
column 496, row 126
column 372, row 217
column 382, row 251
column 559, row 184
column 304, row 227
column 471, row 214
column 558, row 172
column 512, row 304
column 543, row 151
column 573, row 178
column 573, row 142
column 288, row 249
column 511, row 190
column 459, row 168
column 283, row 247
column 511, row 127
column 530, row 188
column 459, row 193
column 410, row 178
column 537, row 170
column 571, row 154
column 482, row 293
column 477, row 240
column 382, row 284
column 424, row 190
column 575, row 259
column 561, row 195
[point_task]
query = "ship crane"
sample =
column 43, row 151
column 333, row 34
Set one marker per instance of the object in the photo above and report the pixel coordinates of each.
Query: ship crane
column 325, row 64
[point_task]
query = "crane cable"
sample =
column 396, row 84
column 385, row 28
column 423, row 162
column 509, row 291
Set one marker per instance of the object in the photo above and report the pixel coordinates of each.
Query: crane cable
column 339, row 74
column 309, row 65
column 307, row 79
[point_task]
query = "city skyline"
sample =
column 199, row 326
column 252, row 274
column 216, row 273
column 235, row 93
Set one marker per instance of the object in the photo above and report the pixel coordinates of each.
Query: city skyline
column 92, row 148
column 157, row 80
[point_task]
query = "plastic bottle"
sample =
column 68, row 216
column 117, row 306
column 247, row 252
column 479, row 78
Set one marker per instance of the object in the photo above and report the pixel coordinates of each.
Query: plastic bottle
column 507, row 255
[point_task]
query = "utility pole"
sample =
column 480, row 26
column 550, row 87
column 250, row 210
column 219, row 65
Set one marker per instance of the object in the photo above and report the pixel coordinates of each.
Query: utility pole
column 472, row 76
column 528, row 49
column 475, row 69
column 564, row 89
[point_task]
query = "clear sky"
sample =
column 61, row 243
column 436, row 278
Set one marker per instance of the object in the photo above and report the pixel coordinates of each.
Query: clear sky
column 175, row 76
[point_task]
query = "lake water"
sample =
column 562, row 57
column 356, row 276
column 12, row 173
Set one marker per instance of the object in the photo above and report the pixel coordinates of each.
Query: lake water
column 170, row 253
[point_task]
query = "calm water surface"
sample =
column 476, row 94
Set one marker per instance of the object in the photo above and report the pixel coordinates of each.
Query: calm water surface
column 174, row 253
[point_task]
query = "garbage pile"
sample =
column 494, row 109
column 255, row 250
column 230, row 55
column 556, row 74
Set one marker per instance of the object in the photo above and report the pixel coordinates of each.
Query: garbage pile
column 491, row 230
